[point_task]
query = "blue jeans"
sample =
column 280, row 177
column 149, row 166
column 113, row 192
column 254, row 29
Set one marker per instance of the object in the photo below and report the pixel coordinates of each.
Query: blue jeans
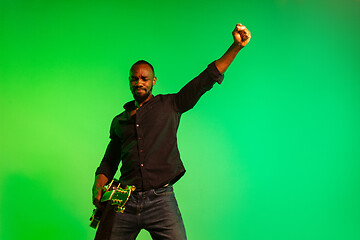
column 155, row 210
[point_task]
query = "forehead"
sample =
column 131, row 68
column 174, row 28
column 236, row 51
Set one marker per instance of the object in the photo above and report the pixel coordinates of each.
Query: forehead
column 141, row 69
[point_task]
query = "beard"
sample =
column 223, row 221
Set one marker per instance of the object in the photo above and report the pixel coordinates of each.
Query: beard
column 142, row 95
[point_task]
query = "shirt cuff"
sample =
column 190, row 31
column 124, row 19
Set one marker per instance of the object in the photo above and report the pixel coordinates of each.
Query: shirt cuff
column 107, row 173
column 214, row 73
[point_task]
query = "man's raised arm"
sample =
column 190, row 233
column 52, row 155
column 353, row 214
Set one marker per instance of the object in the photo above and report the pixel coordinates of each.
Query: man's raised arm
column 188, row 96
column 241, row 37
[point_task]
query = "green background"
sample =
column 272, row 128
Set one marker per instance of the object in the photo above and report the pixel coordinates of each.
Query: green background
column 272, row 153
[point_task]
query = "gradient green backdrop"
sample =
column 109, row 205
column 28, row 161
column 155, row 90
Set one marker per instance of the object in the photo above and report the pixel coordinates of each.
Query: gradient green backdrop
column 271, row 154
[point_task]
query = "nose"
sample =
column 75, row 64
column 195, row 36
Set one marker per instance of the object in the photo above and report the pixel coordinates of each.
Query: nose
column 138, row 83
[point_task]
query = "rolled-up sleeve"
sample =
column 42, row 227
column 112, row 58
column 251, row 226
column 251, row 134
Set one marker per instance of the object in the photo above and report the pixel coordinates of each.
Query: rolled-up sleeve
column 214, row 73
column 190, row 94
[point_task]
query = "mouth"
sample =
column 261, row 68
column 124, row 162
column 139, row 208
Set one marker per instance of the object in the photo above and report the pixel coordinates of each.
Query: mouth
column 139, row 90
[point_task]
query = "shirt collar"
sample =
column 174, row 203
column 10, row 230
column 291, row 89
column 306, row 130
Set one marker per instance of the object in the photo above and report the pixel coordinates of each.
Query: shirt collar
column 129, row 106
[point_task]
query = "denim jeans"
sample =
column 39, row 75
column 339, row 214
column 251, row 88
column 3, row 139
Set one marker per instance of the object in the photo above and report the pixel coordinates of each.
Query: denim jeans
column 155, row 210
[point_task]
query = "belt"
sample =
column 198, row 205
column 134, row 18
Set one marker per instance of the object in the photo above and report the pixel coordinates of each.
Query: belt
column 142, row 190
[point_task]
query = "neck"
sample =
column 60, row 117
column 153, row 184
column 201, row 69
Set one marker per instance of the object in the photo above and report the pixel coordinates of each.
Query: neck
column 140, row 102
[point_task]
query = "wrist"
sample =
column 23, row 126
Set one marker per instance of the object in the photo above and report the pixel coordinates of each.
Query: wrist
column 100, row 181
column 237, row 45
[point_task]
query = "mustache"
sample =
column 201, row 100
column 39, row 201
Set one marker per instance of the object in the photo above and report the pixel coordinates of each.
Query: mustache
column 136, row 88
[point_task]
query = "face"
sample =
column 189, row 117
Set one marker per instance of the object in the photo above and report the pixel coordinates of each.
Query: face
column 142, row 80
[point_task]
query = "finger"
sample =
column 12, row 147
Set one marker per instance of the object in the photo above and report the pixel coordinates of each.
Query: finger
column 248, row 33
column 243, row 36
column 245, row 32
column 240, row 28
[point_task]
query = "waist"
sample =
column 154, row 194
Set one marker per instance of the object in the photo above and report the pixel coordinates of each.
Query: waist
column 137, row 190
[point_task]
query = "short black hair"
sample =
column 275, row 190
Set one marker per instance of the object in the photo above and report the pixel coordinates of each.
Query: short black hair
column 143, row 62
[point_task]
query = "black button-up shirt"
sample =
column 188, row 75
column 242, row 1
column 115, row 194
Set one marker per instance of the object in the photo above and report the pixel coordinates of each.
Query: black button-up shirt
column 146, row 142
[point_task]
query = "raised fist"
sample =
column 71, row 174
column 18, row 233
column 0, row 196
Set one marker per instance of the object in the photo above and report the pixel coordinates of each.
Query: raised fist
column 241, row 35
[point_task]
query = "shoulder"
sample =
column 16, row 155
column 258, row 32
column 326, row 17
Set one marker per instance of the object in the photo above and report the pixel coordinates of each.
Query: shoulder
column 163, row 97
column 166, row 99
column 114, row 127
column 119, row 117
column 123, row 115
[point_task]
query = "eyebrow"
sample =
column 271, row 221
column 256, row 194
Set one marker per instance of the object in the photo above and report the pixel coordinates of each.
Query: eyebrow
column 143, row 77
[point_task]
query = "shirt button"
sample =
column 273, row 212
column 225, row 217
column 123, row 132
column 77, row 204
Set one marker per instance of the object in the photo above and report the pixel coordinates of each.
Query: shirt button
column 137, row 125
column 141, row 165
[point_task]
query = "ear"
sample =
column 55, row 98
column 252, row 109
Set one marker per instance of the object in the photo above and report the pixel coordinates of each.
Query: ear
column 154, row 81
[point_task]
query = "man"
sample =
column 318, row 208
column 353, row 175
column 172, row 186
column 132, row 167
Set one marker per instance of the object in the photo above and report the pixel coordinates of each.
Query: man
column 143, row 137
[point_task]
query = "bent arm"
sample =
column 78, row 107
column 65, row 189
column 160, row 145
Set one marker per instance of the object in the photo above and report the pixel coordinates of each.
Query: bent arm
column 105, row 172
column 108, row 166
column 98, row 188
column 111, row 160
